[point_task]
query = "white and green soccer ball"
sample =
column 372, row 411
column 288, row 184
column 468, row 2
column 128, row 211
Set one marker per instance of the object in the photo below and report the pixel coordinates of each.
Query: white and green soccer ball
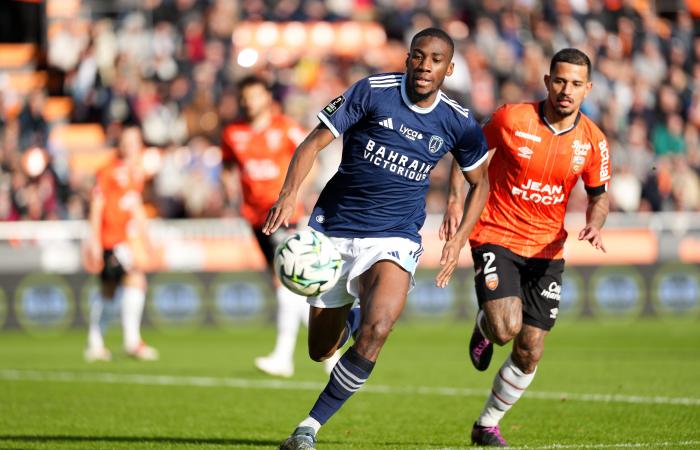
column 308, row 263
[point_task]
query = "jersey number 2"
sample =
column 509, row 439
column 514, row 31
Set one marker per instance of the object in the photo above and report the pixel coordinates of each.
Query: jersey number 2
column 489, row 258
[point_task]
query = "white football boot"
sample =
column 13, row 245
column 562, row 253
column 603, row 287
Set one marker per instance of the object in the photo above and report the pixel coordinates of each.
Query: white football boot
column 274, row 366
column 93, row 354
column 143, row 352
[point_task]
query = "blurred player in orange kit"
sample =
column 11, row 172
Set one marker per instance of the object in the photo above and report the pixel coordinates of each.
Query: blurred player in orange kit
column 117, row 216
column 538, row 153
column 260, row 147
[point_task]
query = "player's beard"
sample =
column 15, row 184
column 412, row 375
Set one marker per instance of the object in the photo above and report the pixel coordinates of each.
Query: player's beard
column 563, row 112
column 416, row 96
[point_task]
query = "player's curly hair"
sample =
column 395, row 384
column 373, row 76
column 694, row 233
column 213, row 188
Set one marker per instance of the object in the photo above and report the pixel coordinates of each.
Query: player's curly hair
column 437, row 33
column 571, row 56
column 251, row 80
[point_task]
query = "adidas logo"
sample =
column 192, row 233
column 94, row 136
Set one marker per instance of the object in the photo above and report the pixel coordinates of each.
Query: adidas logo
column 387, row 123
column 394, row 253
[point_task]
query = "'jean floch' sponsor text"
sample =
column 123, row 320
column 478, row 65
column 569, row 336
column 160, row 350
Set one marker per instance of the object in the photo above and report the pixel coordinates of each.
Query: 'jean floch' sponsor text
column 536, row 192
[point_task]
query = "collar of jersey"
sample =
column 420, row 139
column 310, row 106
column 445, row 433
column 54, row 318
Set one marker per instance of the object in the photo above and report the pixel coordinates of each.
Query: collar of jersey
column 540, row 108
column 413, row 106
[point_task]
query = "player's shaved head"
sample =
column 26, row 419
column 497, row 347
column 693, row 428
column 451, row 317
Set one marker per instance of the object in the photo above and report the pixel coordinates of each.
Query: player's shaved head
column 571, row 56
column 436, row 33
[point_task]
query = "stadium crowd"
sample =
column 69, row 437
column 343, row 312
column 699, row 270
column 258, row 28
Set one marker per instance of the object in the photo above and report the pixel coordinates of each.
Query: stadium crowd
column 170, row 66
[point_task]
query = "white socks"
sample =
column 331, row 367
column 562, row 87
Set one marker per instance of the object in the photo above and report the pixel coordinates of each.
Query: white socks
column 101, row 313
column 132, row 309
column 479, row 319
column 95, row 338
column 508, row 386
column 292, row 309
column 311, row 422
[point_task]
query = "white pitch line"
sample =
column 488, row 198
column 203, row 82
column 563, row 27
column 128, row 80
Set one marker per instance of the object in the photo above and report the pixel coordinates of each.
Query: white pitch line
column 596, row 446
column 242, row 383
column 624, row 445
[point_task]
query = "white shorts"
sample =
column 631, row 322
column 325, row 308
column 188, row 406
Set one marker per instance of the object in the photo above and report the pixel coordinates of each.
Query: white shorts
column 359, row 254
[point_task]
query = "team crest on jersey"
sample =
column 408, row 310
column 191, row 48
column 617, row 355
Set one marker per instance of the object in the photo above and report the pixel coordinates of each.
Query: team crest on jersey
column 579, row 158
column 333, row 106
column 492, row 281
column 577, row 163
column 435, row 143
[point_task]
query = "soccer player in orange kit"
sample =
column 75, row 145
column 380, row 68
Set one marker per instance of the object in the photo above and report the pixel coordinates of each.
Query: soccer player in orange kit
column 538, row 153
column 117, row 216
column 260, row 146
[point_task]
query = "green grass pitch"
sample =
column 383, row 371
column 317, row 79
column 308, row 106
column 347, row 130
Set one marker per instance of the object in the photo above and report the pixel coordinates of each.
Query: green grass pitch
column 602, row 384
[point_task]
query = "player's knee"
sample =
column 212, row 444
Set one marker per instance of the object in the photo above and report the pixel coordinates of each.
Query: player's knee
column 505, row 331
column 108, row 290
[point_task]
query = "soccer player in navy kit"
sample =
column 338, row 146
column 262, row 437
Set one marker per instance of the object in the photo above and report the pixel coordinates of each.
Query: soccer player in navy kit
column 395, row 128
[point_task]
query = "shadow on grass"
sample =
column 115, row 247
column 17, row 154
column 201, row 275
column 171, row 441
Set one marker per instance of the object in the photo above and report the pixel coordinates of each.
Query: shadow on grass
column 58, row 439
column 138, row 439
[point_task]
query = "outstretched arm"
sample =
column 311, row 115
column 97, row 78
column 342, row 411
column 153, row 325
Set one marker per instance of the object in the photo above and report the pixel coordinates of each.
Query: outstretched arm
column 473, row 205
column 596, row 213
column 455, row 204
column 97, row 206
column 299, row 167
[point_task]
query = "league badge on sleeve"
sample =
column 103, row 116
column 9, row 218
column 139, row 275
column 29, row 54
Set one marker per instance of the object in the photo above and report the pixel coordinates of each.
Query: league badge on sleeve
column 333, row 106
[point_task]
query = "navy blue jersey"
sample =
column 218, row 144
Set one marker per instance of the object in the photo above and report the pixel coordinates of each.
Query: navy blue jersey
column 390, row 146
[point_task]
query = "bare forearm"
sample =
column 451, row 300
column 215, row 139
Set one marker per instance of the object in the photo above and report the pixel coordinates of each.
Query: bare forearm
column 142, row 220
column 95, row 218
column 473, row 206
column 456, row 184
column 597, row 211
column 303, row 160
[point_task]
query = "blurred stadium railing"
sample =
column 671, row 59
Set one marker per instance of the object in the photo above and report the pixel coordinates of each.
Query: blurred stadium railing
column 211, row 273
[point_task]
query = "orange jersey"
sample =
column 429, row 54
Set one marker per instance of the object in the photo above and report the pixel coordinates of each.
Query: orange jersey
column 121, row 187
column 532, row 173
column 263, row 158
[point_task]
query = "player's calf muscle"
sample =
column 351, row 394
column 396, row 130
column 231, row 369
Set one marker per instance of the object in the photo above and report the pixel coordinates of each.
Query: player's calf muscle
column 528, row 348
column 372, row 338
column 504, row 318
column 527, row 358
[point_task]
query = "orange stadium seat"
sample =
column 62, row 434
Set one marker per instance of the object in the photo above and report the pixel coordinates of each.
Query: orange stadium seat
column 78, row 138
column 58, row 108
column 17, row 56
column 89, row 163
column 62, row 8
column 25, row 82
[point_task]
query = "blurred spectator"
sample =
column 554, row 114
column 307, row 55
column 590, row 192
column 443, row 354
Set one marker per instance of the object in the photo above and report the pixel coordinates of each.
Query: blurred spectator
column 667, row 137
column 170, row 66
column 33, row 128
column 685, row 186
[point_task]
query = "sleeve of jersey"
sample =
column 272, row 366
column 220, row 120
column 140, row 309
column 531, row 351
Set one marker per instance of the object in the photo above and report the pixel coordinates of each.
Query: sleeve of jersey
column 596, row 175
column 492, row 128
column 471, row 150
column 346, row 110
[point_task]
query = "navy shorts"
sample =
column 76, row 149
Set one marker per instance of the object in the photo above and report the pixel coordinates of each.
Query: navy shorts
column 501, row 273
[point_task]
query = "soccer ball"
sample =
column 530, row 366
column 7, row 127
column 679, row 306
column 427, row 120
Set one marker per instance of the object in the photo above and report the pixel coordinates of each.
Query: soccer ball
column 308, row 263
